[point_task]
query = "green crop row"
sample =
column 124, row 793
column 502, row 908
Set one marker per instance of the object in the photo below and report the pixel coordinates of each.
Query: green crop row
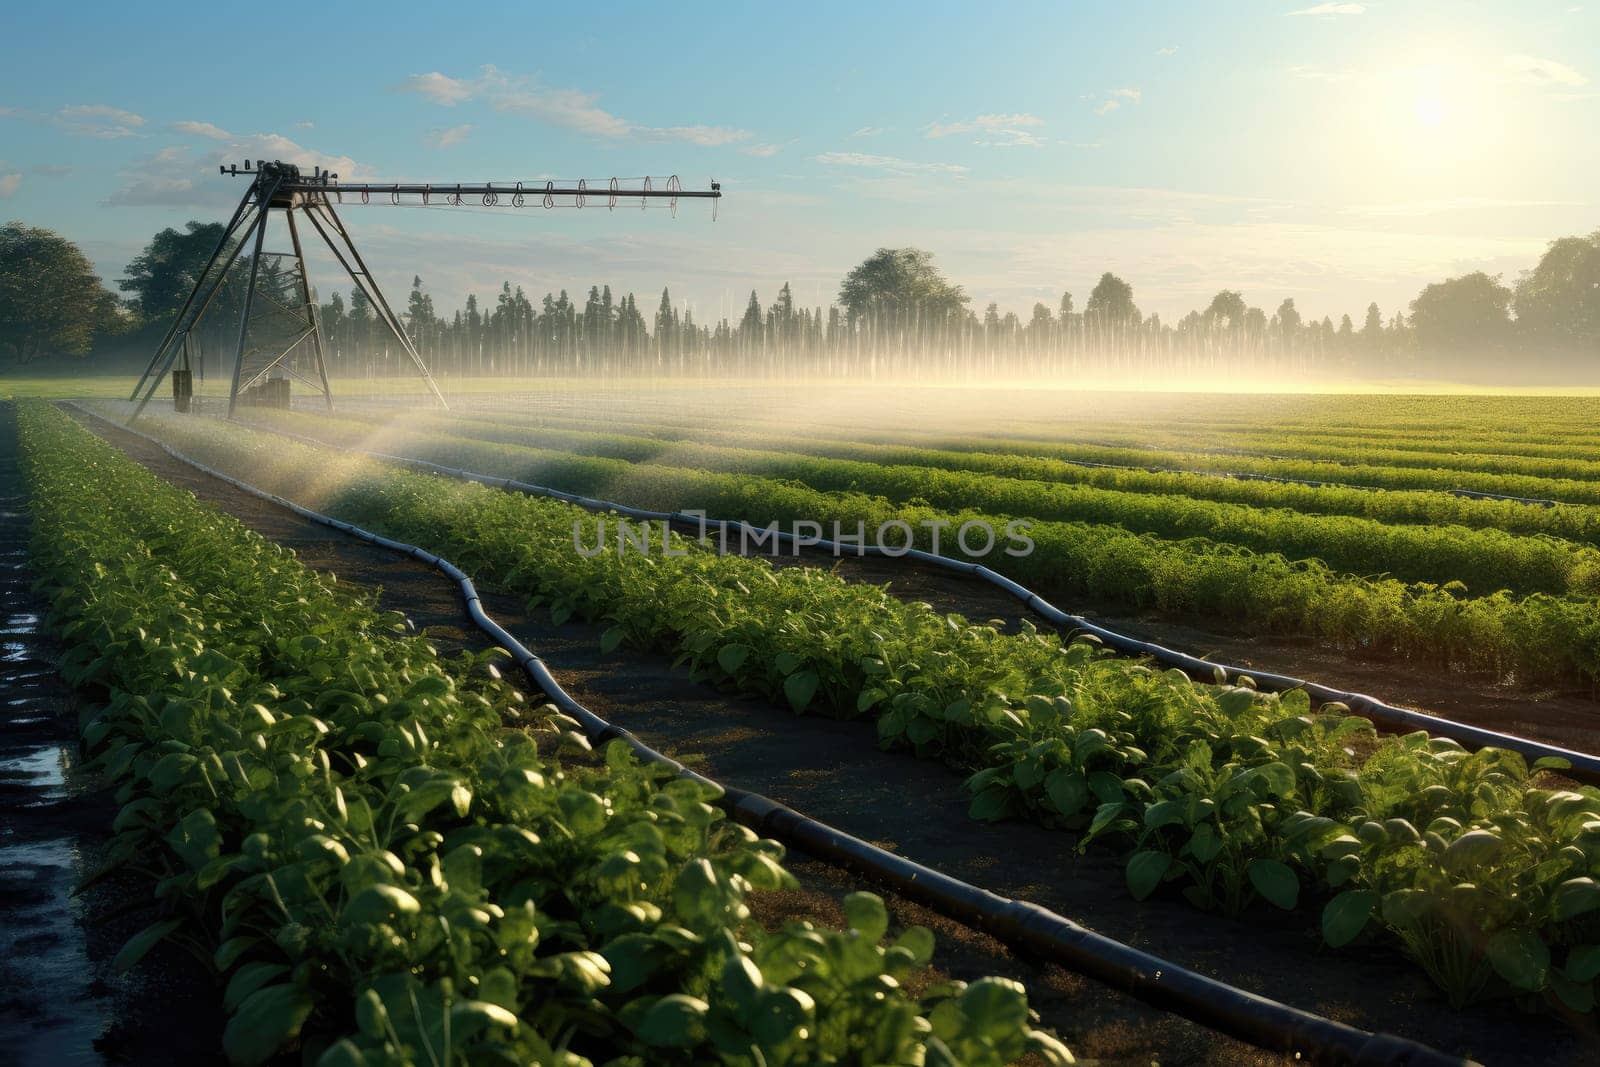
column 1351, row 467
column 1483, row 560
column 1392, row 507
column 1539, row 637
column 1478, row 870
column 381, row 854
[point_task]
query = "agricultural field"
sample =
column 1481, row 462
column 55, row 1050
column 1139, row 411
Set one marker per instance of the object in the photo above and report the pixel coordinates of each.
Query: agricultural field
column 388, row 845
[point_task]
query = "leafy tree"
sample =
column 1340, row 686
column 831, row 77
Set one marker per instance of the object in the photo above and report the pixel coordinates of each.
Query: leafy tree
column 51, row 300
column 1227, row 310
column 900, row 280
column 1468, row 313
column 1559, row 300
column 160, row 277
column 1111, row 303
column 1288, row 318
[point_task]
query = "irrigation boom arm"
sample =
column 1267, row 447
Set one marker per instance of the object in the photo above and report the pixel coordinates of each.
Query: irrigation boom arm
column 544, row 192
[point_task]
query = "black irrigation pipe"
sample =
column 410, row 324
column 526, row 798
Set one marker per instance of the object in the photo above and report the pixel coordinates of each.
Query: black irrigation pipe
column 1033, row 930
column 1584, row 767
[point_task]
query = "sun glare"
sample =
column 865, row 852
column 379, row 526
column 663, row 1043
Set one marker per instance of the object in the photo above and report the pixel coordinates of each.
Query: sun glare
column 1430, row 110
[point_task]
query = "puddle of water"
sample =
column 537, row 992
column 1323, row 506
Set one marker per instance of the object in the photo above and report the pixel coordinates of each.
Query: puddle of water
column 43, row 958
column 44, row 767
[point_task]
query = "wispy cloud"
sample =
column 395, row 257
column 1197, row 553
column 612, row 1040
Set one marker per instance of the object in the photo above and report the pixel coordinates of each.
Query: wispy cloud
column 1115, row 98
column 167, row 177
column 761, row 151
column 1005, row 130
column 440, row 88
column 892, row 164
column 10, row 182
column 1314, row 73
column 571, row 109
column 1420, row 208
column 449, row 136
column 203, row 129
column 1325, row 10
column 98, row 120
column 1169, row 50
column 1547, row 72
column 868, row 131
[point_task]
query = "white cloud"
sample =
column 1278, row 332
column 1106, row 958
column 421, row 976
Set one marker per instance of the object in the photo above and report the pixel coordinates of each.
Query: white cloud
column 1115, row 98
column 9, row 183
column 167, row 178
column 451, row 136
column 1331, row 9
column 441, row 89
column 98, row 120
column 888, row 163
column 868, row 131
column 304, row 124
column 203, row 129
column 996, row 129
column 707, row 136
column 1536, row 71
column 566, row 107
column 761, row 151
column 1169, row 50
column 1421, row 208
column 571, row 109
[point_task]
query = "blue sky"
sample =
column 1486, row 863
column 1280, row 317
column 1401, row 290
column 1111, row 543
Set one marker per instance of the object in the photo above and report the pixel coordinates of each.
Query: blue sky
column 1333, row 152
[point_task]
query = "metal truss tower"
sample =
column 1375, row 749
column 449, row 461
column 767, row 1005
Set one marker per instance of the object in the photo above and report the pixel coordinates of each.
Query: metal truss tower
column 284, row 296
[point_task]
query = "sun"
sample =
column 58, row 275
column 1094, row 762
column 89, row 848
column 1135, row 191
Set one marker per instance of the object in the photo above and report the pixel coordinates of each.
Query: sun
column 1430, row 109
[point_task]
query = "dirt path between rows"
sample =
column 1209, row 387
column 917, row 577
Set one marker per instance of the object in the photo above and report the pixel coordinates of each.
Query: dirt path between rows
column 832, row 771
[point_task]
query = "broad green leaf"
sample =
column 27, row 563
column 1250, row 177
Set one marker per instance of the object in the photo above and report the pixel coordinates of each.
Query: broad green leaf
column 142, row 942
column 866, row 914
column 1574, row 897
column 674, row 1021
column 1520, row 957
column 1344, row 916
column 800, row 688
column 1583, row 963
column 267, row 1020
column 1145, row 871
column 732, row 657
column 1068, row 790
column 1275, row 881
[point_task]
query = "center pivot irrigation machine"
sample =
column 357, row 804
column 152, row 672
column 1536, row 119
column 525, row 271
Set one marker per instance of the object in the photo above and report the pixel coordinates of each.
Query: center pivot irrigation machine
column 282, row 188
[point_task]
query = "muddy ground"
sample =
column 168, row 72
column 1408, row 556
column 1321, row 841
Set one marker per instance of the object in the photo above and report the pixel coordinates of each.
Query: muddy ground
column 832, row 771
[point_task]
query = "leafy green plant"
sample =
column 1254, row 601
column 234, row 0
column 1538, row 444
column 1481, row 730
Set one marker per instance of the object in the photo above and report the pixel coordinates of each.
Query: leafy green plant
column 390, row 858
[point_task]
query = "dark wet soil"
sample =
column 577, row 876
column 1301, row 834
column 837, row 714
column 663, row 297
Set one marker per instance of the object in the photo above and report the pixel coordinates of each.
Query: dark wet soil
column 61, row 1003
column 832, row 771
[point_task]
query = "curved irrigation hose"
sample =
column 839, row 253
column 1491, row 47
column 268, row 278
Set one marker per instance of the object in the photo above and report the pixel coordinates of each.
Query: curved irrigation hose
column 1034, row 931
column 1583, row 767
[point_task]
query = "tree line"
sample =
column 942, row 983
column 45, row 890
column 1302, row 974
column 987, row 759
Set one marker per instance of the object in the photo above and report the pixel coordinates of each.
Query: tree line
column 896, row 315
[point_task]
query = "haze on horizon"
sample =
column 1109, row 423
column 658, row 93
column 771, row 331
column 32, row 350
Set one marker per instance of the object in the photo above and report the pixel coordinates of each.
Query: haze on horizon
column 1335, row 153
